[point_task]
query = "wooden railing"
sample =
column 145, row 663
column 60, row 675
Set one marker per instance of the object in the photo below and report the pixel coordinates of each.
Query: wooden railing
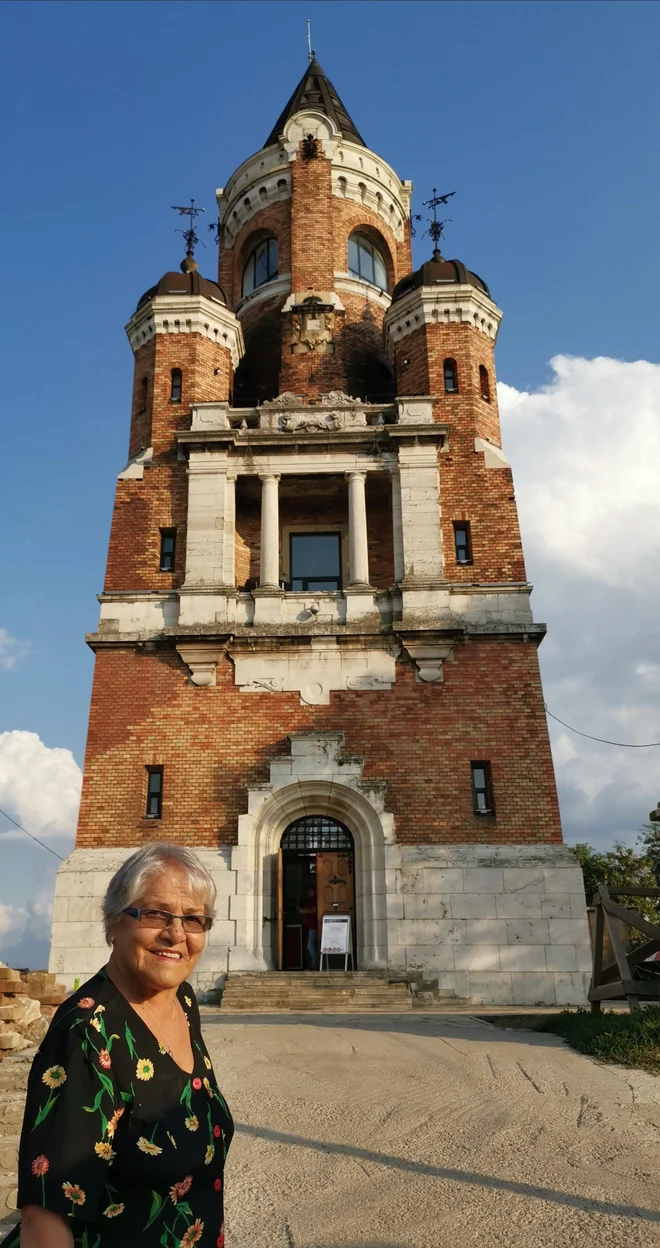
column 616, row 980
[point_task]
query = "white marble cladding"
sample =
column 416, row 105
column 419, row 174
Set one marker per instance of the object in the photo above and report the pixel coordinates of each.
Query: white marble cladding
column 360, row 175
column 502, row 925
column 474, row 607
column 262, row 179
column 315, row 671
column 440, row 304
column 78, row 945
column 187, row 314
column 335, row 413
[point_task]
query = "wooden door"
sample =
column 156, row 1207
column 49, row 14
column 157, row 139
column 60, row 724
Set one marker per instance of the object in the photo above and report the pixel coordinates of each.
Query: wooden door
column 335, row 890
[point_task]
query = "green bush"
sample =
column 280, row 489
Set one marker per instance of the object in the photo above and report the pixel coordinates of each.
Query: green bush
column 625, row 1039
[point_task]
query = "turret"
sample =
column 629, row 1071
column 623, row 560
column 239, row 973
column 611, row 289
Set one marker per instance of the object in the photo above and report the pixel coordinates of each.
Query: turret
column 440, row 332
column 186, row 345
column 314, row 235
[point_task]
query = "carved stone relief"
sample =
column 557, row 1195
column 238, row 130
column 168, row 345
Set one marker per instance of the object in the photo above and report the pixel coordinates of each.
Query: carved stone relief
column 315, row 671
column 312, row 327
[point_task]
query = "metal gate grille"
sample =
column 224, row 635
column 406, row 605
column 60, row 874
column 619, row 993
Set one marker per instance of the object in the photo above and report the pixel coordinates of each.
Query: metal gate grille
column 314, row 833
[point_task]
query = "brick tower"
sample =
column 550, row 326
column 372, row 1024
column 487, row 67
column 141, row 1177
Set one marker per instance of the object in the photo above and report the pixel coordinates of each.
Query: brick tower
column 316, row 661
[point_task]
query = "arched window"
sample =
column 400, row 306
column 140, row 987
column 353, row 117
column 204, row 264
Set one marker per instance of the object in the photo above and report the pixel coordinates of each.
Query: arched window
column 484, row 383
column 451, row 377
column 175, row 391
column 143, row 394
column 365, row 261
column 261, row 265
column 315, row 833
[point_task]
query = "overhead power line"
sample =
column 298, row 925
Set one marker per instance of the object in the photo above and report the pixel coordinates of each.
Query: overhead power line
column 624, row 745
column 32, row 838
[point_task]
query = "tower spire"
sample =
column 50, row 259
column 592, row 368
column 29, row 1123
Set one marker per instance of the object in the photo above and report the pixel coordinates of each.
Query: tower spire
column 311, row 52
column 315, row 91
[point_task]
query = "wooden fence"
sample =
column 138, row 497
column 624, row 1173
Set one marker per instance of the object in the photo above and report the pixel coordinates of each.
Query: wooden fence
column 620, row 979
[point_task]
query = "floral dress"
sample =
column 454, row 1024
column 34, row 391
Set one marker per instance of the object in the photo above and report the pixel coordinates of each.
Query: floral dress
column 116, row 1136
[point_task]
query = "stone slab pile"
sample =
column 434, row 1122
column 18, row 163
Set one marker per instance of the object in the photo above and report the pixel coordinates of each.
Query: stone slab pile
column 14, row 1071
column 27, row 1002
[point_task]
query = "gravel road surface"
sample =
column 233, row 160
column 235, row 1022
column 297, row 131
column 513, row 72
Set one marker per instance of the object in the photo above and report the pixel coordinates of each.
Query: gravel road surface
column 427, row 1131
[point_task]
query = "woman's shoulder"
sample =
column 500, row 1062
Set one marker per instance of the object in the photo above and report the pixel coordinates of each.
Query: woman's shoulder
column 82, row 1009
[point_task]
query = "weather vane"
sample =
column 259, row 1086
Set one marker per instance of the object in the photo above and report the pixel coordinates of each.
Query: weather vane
column 190, row 235
column 436, row 228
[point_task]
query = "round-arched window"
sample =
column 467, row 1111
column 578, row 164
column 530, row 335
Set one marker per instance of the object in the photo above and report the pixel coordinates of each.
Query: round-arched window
column 315, row 833
column 365, row 261
column 261, row 265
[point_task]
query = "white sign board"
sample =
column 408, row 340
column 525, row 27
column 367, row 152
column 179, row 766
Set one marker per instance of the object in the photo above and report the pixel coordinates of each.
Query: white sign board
column 336, row 934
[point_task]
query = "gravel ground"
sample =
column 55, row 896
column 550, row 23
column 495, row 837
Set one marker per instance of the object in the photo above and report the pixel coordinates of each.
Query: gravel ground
column 427, row 1131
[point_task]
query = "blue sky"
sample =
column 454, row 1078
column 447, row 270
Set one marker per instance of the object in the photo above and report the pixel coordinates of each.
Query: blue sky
column 542, row 117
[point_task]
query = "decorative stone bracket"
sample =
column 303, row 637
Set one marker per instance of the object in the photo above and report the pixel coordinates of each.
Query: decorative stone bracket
column 202, row 661
column 428, row 658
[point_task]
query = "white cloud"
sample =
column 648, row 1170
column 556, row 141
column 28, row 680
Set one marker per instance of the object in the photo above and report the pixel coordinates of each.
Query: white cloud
column 11, row 650
column 39, row 785
column 589, row 442
column 12, row 924
column 25, row 930
column 585, row 452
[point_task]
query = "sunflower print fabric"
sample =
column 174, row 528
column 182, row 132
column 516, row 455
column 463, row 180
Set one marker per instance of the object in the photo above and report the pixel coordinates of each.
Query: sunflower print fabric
column 116, row 1137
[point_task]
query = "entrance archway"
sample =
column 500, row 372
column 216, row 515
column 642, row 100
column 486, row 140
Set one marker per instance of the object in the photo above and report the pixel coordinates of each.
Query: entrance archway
column 316, row 876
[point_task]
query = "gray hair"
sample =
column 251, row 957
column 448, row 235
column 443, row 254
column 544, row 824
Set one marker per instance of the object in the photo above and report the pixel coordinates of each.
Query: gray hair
column 128, row 883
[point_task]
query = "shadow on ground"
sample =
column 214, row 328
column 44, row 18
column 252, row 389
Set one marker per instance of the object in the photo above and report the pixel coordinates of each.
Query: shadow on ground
column 455, row 1176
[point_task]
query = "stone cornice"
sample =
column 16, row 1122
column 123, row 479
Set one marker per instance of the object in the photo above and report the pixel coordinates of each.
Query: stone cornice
column 187, row 314
column 441, row 305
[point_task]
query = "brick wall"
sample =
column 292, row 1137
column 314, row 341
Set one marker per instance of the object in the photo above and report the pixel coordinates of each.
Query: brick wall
column 418, row 738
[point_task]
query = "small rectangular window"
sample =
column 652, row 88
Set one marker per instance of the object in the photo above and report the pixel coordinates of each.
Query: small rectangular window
column 462, row 541
column 167, row 549
column 315, row 561
column 177, row 380
column 154, row 793
column 482, row 789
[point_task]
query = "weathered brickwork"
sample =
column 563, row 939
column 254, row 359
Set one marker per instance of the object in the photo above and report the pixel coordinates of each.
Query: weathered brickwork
column 214, row 743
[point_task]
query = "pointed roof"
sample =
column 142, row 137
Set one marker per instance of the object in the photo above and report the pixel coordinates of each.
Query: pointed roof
column 316, row 91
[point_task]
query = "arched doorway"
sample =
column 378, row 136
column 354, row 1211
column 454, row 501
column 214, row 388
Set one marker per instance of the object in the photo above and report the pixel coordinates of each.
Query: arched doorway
column 316, row 876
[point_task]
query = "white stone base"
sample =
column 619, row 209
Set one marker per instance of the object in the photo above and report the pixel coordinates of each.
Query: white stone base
column 485, row 925
column 502, row 925
column 78, row 946
column 491, row 925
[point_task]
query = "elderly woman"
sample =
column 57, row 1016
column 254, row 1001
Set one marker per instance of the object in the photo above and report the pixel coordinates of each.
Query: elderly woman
column 125, row 1132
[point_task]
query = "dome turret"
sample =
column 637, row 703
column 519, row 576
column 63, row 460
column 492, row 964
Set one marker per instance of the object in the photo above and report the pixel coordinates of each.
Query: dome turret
column 438, row 271
column 188, row 281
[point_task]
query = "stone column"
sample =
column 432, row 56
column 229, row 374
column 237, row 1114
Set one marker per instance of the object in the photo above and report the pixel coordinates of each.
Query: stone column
column 211, row 519
column 358, row 550
column 419, row 543
column 269, row 568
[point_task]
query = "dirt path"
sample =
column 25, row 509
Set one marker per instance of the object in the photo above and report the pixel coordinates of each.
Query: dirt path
column 430, row 1132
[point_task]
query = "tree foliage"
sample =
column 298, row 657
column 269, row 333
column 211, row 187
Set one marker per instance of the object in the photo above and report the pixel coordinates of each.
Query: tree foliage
column 620, row 867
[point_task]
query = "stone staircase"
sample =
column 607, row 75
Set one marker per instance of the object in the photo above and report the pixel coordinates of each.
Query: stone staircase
column 338, row 992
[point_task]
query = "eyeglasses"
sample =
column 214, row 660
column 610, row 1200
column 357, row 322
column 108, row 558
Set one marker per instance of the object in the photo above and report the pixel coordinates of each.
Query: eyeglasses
column 194, row 924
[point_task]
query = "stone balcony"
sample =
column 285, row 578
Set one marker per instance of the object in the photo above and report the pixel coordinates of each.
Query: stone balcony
column 289, row 416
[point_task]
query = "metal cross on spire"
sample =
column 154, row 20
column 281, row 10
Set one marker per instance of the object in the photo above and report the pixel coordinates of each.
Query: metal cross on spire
column 436, row 228
column 190, row 235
